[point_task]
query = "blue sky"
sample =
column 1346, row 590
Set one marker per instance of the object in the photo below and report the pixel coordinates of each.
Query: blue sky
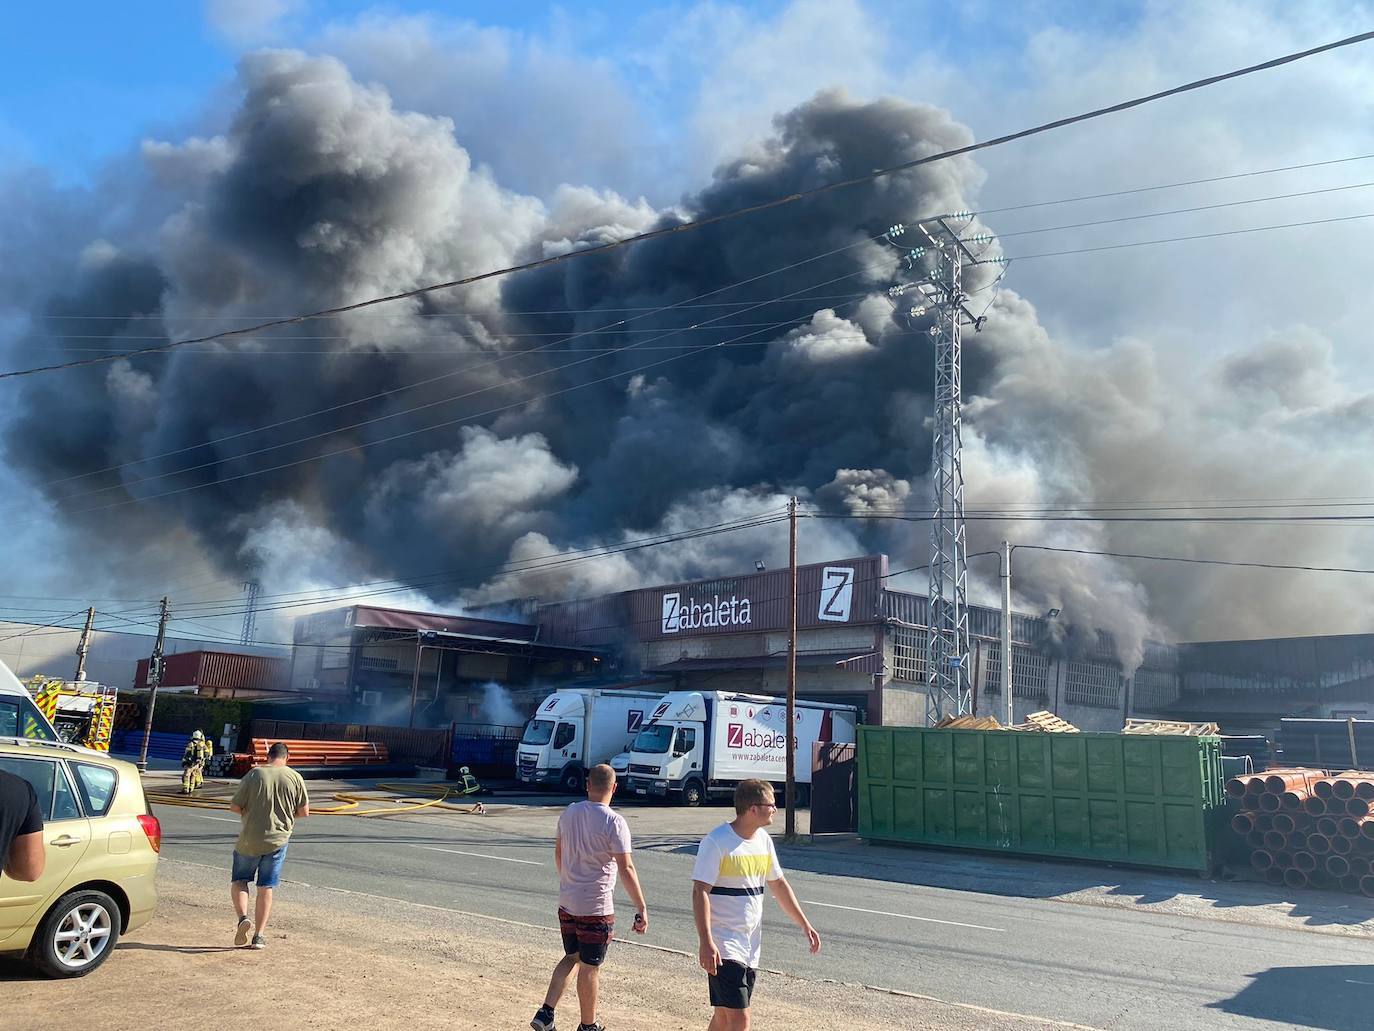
column 84, row 81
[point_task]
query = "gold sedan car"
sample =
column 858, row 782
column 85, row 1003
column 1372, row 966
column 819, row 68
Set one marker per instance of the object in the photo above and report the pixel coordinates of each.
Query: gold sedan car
column 102, row 846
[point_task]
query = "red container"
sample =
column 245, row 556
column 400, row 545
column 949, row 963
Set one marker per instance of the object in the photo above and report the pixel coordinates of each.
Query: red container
column 220, row 674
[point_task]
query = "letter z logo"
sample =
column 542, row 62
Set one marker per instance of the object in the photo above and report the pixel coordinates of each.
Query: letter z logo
column 672, row 613
column 634, row 720
column 837, row 594
column 734, row 735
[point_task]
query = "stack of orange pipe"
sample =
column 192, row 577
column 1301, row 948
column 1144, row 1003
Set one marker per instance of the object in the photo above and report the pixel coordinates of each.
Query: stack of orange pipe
column 1307, row 827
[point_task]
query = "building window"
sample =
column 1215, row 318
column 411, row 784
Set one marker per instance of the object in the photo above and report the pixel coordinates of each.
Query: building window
column 378, row 662
column 1093, row 683
column 1030, row 670
column 1154, row 688
column 910, row 652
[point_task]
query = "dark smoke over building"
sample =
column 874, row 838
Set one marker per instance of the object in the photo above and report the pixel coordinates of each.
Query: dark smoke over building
column 472, row 427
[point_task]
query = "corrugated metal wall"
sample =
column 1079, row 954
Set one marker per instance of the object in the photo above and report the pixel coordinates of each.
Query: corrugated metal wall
column 220, row 671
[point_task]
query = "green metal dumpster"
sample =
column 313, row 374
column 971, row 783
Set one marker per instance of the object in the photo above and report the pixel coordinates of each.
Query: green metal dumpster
column 1130, row 798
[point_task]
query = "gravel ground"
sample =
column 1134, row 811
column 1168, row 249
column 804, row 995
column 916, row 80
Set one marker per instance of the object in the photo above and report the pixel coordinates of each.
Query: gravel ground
column 339, row 959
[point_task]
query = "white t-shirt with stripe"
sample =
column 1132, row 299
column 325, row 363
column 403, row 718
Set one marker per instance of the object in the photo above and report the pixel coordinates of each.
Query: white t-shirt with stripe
column 736, row 868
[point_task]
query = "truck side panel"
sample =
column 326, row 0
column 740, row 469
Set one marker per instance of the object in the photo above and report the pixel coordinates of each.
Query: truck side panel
column 613, row 721
column 748, row 741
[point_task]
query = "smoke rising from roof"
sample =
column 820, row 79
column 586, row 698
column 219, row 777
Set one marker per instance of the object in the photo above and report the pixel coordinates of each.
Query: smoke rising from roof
column 321, row 192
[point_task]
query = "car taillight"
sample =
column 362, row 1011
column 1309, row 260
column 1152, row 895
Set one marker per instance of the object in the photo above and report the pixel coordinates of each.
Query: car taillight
column 153, row 829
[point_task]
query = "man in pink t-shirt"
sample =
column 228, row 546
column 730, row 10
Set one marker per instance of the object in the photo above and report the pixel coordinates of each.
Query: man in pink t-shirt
column 593, row 844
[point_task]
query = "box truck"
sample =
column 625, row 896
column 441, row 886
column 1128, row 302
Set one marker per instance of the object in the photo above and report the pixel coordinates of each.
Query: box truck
column 697, row 744
column 573, row 730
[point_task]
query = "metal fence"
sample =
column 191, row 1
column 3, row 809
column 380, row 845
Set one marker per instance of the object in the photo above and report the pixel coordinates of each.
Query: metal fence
column 488, row 749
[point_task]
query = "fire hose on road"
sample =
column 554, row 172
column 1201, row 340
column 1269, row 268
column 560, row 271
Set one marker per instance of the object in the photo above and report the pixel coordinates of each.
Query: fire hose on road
column 413, row 798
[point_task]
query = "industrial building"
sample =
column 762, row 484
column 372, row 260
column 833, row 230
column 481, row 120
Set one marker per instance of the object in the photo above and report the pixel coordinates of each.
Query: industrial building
column 859, row 642
column 395, row 666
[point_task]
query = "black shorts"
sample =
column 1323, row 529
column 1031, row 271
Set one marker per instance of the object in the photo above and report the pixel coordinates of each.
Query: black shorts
column 732, row 985
column 586, row 936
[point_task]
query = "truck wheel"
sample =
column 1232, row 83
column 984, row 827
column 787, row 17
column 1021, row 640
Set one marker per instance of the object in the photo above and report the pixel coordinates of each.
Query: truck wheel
column 693, row 792
column 77, row 935
column 572, row 780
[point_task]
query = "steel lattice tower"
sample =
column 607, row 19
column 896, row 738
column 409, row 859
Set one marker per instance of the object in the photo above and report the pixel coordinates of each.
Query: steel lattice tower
column 250, row 612
column 941, row 310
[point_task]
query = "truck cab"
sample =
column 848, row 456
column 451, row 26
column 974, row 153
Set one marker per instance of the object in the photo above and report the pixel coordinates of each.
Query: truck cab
column 19, row 716
column 669, row 755
column 551, row 750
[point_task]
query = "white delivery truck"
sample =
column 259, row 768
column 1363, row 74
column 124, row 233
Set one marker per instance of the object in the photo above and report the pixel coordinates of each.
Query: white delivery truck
column 573, row 730
column 700, row 743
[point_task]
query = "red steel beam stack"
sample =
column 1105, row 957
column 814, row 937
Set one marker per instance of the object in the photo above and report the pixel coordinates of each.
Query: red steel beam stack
column 1307, row 827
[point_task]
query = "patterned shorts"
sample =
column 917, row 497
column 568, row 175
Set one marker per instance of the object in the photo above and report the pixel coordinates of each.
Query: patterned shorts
column 587, row 936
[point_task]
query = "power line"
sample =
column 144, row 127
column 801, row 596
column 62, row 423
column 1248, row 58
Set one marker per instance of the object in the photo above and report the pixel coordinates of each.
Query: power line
column 603, row 310
column 1187, row 211
column 698, row 223
column 916, row 517
column 429, row 381
column 1199, row 236
column 515, row 566
column 1194, row 561
column 1164, row 186
column 360, row 446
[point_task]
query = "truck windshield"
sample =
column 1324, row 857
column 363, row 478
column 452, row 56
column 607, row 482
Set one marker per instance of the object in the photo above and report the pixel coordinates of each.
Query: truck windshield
column 538, row 732
column 654, row 739
column 19, row 717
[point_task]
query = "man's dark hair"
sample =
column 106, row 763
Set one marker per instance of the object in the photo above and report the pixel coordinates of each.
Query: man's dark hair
column 278, row 751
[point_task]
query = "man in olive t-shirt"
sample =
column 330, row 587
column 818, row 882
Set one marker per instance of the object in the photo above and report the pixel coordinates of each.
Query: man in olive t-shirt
column 270, row 800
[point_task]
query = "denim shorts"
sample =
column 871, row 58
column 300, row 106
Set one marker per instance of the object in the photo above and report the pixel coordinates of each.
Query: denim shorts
column 266, row 868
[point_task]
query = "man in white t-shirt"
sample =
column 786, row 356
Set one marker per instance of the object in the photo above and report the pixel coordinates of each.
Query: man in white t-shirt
column 733, row 862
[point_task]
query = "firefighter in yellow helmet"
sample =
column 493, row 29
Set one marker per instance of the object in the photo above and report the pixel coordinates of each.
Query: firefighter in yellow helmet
column 197, row 753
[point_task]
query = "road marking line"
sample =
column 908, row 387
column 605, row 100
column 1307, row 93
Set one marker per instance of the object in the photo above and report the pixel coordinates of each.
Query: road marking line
column 221, row 819
column 477, row 855
column 904, row 916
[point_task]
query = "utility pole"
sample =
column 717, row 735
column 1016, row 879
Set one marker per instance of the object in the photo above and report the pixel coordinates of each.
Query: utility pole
column 790, row 829
column 84, row 645
column 250, row 612
column 938, row 306
column 154, row 682
column 1006, row 632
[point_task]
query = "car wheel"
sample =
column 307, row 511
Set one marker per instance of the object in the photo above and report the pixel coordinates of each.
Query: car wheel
column 572, row 780
column 693, row 793
column 77, row 935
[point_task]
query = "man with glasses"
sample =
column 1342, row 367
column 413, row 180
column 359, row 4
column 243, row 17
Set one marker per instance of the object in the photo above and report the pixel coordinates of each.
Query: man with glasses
column 593, row 844
column 733, row 863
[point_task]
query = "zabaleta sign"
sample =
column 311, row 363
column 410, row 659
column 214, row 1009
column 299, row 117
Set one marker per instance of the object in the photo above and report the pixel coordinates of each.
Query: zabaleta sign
column 829, row 593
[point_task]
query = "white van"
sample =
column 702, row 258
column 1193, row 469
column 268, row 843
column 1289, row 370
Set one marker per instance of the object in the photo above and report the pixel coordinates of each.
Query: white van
column 19, row 717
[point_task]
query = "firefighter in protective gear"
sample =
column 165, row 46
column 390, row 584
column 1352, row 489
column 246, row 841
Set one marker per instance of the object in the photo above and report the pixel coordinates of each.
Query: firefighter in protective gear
column 193, row 759
column 470, row 787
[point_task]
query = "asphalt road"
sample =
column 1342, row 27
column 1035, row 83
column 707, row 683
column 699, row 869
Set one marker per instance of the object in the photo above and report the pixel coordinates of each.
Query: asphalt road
column 1042, row 940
